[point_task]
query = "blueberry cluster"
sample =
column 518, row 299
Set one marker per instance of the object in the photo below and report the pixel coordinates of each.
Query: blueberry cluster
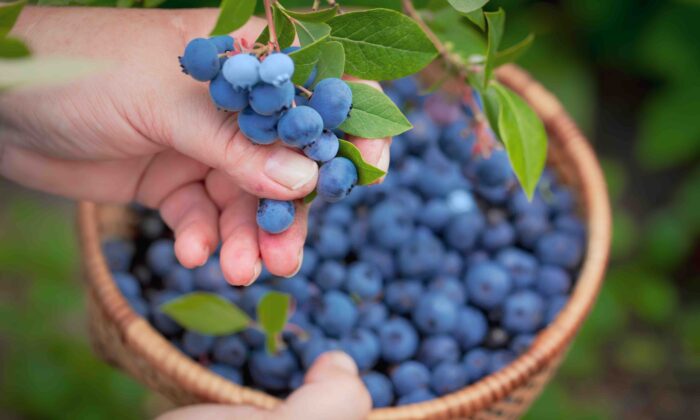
column 270, row 107
column 432, row 280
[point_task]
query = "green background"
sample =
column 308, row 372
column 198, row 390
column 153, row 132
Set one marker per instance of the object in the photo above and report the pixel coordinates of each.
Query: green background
column 627, row 71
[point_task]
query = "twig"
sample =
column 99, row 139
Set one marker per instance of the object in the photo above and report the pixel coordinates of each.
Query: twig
column 271, row 23
column 304, row 90
column 316, row 4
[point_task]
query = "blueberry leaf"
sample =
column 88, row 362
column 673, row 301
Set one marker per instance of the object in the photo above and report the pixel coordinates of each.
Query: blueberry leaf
column 524, row 137
column 366, row 173
column 233, row 14
column 477, row 18
column 467, row 6
column 309, row 198
column 460, row 38
column 273, row 311
column 13, row 48
column 317, row 16
column 331, row 61
column 310, row 32
column 207, row 313
column 381, row 44
column 492, row 105
column 152, row 3
column 373, row 114
column 304, row 61
column 513, row 53
column 8, row 15
column 284, row 28
column 496, row 21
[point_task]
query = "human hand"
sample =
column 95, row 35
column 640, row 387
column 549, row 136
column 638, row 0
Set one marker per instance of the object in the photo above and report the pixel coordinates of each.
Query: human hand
column 332, row 390
column 143, row 131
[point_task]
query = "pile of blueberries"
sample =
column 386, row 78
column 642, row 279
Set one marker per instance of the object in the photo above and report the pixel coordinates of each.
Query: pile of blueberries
column 270, row 107
column 441, row 275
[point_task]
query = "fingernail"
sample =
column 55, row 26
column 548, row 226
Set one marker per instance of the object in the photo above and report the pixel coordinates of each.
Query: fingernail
column 383, row 162
column 341, row 361
column 206, row 251
column 301, row 260
column 256, row 272
column 290, row 168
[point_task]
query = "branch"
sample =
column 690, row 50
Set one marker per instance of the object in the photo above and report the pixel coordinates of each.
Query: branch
column 271, row 24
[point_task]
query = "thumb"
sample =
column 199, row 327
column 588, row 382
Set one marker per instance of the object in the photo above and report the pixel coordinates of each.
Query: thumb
column 332, row 390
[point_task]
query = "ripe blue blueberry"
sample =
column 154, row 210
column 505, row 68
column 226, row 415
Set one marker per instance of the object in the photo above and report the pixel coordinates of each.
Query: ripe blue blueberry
column 415, row 397
column 407, row 87
column 330, row 275
column 332, row 242
column 324, row 148
column 410, row 376
column 553, row 280
column 179, row 279
column 300, row 126
column 464, row 230
column 380, row 389
column 457, row 141
column 448, row 377
column 523, row 312
column 424, row 132
column 251, row 297
column 519, row 204
column 497, row 236
column 275, row 216
column 422, row 255
column 231, row 350
column 561, row 249
column 339, row 214
column 380, row 258
column 436, row 349
column 402, row 296
column 494, row 170
column 470, row 328
column 449, row 286
column 372, row 315
column 266, row 99
column 260, row 129
column 272, row 371
column 297, row 287
column 521, row 343
column 139, row 305
column 476, row 363
column 336, row 179
column 127, row 284
column 452, row 264
column 435, row 215
column 118, row 253
column 310, row 261
column 209, row 276
column 364, row 280
column 225, row 96
column 529, row 227
column 435, row 314
column 241, row 71
column 332, row 98
column 500, row 359
column 398, row 339
column 390, row 225
column 160, row 256
column 571, row 224
column 554, row 306
column 488, row 284
column 363, row 346
column 195, row 344
column 227, row 372
column 276, row 69
column 336, row 314
column 201, row 60
column 223, row 43
column 522, row 266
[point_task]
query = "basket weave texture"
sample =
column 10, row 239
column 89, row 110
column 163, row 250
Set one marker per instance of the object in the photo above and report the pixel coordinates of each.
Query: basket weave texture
column 124, row 339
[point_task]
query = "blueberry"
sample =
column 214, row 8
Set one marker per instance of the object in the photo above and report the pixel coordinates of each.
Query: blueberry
column 179, row 279
column 372, row 315
column 195, row 344
column 241, row 71
column 409, row 201
column 452, row 264
column 496, row 195
column 461, row 201
column 437, row 349
column 423, row 134
column 251, row 297
column 314, row 72
column 118, row 253
column 410, row 376
column 230, row 293
column 163, row 323
column 260, row 129
column 127, row 284
column 336, row 314
column 275, row 216
column 363, row 346
column 402, row 296
column 398, row 339
column 313, row 348
column 560, row 249
column 500, row 359
column 332, row 99
column 441, row 109
column 380, row 389
column 209, row 276
column 521, row 265
column 407, row 87
column 448, row 377
column 497, row 236
column 272, row 371
column 389, row 225
column 160, row 256
column 435, row 314
column 554, row 306
column 521, row 343
column 476, row 363
column 253, row 337
column 553, row 280
column 529, row 227
column 417, row 396
column 364, row 280
column 227, row 372
column 224, row 43
column 225, row 96
column 332, row 242
column 519, row 204
column 523, row 312
column 231, row 350
column 422, row 255
column 488, row 284
column 139, row 305
column 276, row 69
column 380, row 258
column 151, row 226
column 339, row 214
column 297, row 287
column 200, row 60
column 495, row 170
column 464, row 230
column 336, row 179
column 471, row 327
column 397, row 150
column 571, row 224
column 450, row 287
column 266, row 99
column 330, row 275
column 457, row 141
column 300, row 126
column 435, row 215
column 409, row 171
column 562, row 200
column 296, row 381
column 324, row 148
column 310, row 261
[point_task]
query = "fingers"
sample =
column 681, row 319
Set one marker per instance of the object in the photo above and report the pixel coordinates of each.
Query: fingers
column 282, row 253
column 240, row 252
column 334, row 377
column 193, row 217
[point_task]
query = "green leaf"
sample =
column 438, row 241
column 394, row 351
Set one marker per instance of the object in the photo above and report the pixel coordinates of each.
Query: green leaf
column 463, row 39
column 42, row 71
column 13, row 48
column 467, row 6
column 366, row 173
column 381, row 44
column 273, row 311
column 206, row 313
column 126, row 3
column 513, row 53
column 8, row 15
column 477, row 18
column 310, row 32
column 331, row 61
column 492, row 106
column 523, row 134
column 311, row 197
column 233, row 15
column 152, row 3
column 317, row 16
column 373, row 114
column 285, row 30
column 496, row 21
column 304, row 61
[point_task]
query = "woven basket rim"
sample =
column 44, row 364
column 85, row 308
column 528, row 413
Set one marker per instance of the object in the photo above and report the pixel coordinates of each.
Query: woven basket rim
column 549, row 343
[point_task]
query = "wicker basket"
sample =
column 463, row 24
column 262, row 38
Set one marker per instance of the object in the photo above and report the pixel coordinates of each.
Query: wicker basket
column 124, row 339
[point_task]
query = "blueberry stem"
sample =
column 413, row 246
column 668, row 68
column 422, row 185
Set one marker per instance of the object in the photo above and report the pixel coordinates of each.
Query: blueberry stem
column 271, row 23
column 304, row 90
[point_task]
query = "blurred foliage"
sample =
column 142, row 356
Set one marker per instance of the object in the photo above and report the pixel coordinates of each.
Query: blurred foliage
column 626, row 70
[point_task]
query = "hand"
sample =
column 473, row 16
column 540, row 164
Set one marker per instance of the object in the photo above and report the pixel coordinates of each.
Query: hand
column 332, row 390
column 143, row 131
